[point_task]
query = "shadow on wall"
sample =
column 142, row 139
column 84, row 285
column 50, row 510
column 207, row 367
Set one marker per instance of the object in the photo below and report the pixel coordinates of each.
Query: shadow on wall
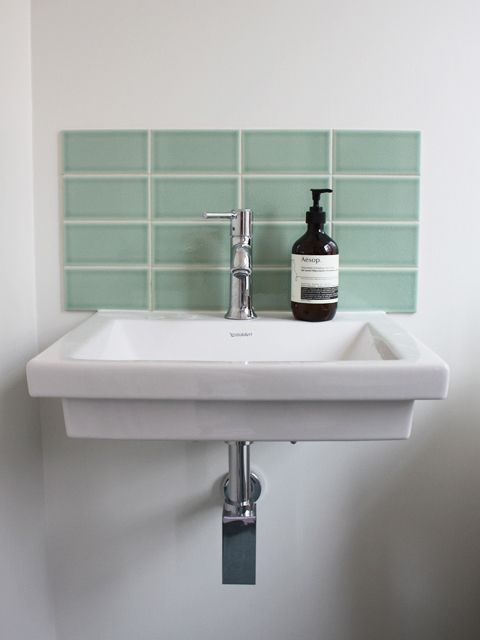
column 413, row 567
column 121, row 514
column 23, row 585
column 19, row 432
column 382, row 542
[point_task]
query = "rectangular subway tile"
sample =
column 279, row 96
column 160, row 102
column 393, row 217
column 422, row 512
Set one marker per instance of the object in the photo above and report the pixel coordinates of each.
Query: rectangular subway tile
column 197, row 289
column 383, row 199
column 106, row 244
column 272, row 243
column 107, row 217
column 124, row 198
column 187, row 198
column 106, row 289
column 271, row 289
column 380, row 152
column 286, row 151
column 282, row 198
column 374, row 245
column 105, row 151
column 195, row 151
column 385, row 290
column 206, row 243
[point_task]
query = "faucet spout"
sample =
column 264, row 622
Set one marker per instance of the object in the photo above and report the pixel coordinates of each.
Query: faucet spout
column 241, row 304
column 241, row 260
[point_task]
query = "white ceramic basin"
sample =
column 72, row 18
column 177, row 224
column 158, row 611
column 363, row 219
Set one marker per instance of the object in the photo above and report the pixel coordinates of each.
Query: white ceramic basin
column 201, row 377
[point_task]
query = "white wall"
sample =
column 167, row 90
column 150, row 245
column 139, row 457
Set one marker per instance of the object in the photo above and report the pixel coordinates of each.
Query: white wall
column 23, row 588
column 355, row 540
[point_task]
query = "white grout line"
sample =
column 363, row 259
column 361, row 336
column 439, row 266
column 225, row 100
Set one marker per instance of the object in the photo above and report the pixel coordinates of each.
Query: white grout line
column 99, row 175
column 190, row 267
column 377, row 176
column 385, row 223
column 206, row 267
column 240, row 169
column 108, row 267
column 175, row 222
column 273, row 267
column 202, row 175
column 330, row 177
column 102, row 221
column 150, row 247
column 332, row 153
column 279, row 175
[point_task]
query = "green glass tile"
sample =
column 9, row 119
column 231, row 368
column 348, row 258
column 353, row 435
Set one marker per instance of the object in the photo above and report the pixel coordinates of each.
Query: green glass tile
column 103, row 289
column 386, row 290
column 101, row 198
column 376, row 199
column 199, row 243
column 105, row 244
column 195, row 151
column 382, row 152
column 202, row 290
column 279, row 203
column 377, row 244
column 187, row 198
column 282, row 198
column 272, row 243
column 271, row 289
column 105, row 151
column 286, row 151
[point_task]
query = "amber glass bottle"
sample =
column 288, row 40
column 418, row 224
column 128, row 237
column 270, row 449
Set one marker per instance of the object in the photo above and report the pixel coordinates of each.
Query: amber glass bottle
column 314, row 293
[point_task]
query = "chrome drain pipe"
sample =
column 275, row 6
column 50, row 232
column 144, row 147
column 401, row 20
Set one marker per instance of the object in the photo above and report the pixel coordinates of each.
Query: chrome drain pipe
column 242, row 490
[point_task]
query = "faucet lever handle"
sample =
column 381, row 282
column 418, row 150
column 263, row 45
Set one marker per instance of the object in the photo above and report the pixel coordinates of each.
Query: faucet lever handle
column 241, row 221
column 220, row 216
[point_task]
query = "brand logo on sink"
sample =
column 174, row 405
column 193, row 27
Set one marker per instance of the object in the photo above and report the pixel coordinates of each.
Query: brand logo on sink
column 243, row 334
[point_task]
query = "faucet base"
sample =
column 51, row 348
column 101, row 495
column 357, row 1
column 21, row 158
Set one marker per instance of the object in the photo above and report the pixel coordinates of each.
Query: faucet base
column 240, row 314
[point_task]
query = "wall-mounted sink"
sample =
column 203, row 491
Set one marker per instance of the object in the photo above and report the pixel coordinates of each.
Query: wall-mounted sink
column 201, row 377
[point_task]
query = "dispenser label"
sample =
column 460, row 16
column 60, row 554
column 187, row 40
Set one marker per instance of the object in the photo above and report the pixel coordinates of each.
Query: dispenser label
column 314, row 279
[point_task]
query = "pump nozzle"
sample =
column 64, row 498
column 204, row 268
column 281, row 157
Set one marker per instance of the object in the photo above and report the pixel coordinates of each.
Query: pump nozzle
column 316, row 213
column 316, row 194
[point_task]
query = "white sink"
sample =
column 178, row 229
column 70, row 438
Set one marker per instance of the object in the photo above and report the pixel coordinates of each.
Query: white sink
column 201, row 377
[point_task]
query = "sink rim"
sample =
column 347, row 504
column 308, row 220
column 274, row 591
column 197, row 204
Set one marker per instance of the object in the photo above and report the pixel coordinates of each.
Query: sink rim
column 405, row 346
column 417, row 373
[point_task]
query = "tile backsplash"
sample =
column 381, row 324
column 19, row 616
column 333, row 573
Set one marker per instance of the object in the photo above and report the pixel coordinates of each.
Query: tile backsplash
column 134, row 237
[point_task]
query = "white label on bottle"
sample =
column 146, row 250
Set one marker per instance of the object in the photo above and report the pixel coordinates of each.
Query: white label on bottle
column 314, row 279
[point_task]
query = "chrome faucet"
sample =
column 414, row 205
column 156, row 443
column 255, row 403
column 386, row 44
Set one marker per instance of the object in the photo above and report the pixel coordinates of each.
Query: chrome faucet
column 241, row 267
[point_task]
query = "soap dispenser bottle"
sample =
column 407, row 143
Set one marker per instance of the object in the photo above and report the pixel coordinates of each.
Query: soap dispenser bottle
column 314, row 292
